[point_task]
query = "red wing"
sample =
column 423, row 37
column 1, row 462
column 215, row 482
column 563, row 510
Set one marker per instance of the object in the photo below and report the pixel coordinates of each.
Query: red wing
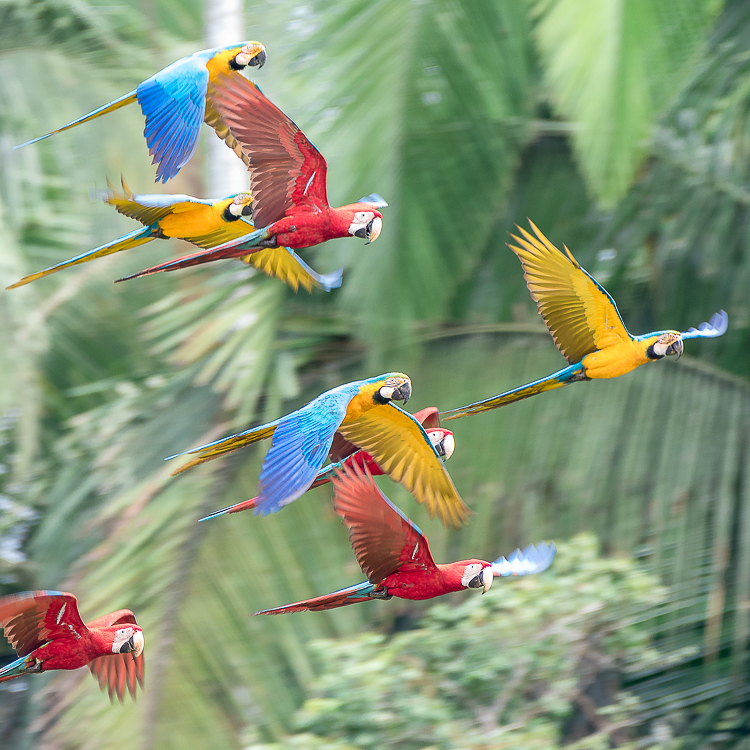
column 32, row 618
column 383, row 538
column 121, row 617
column 341, row 448
column 286, row 170
column 118, row 671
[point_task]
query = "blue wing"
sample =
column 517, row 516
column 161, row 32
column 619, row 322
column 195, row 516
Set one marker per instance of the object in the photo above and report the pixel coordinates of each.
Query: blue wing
column 717, row 326
column 374, row 199
column 174, row 104
column 299, row 449
column 533, row 559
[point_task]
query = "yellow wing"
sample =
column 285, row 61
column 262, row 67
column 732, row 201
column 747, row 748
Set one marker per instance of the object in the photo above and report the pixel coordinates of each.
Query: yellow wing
column 148, row 209
column 284, row 264
column 579, row 312
column 401, row 448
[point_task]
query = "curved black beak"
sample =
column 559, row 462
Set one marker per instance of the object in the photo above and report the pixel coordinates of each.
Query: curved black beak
column 364, row 232
column 259, row 60
column 403, row 393
column 675, row 348
column 247, row 210
column 129, row 645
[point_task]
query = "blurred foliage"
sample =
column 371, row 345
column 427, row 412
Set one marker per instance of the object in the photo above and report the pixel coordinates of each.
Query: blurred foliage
column 468, row 116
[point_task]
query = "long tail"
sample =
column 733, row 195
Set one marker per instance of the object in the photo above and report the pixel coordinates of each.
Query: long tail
column 324, row 476
column 14, row 669
column 556, row 380
column 225, row 445
column 350, row 595
column 233, row 249
column 135, row 238
column 123, row 101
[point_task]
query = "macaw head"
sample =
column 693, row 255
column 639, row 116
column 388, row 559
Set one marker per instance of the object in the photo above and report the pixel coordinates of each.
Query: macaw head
column 366, row 222
column 477, row 575
column 128, row 640
column 395, row 387
column 442, row 440
column 665, row 344
column 252, row 54
column 241, row 205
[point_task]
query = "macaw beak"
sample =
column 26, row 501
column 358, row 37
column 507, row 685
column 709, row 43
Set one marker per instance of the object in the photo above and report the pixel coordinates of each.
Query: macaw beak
column 447, row 446
column 482, row 580
column 675, row 348
column 259, row 60
column 371, row 231
column 134, row 644
column 403, row 393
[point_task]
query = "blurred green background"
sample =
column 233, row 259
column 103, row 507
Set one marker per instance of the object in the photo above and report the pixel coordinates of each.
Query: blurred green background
column 622, row 128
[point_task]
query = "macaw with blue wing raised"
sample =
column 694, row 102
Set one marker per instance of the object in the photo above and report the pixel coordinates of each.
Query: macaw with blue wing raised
column 395, row 555
column 174, row 102
column 363, row 413
column 585, row 325
column 205, row 223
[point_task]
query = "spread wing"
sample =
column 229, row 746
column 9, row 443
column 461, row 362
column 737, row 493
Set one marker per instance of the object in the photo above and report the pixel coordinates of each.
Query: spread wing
column 717, row 326
column 580, row 314
column 532, row 559
column 148, row 209
column 286, row 170
column 118, row 671
column 342, row 448
column 32, row 618
column 299, row 448
column 174, row 104
column 284, row 264
column 402, row 449
column 382, row 537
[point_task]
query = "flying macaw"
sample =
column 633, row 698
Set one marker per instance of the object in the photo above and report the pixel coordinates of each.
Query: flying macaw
column 205, row 223
column 47, row 633
column 585, row 325
column 395, row 555
column 174, row 102
column 288, row 181
column 347, row 454
column 364, row 414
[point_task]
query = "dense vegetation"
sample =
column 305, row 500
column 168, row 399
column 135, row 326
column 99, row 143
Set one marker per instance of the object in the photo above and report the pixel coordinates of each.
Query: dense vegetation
column 621, row 129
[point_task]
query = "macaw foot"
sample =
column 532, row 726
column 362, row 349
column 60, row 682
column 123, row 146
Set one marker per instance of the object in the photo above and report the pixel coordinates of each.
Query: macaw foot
column 34, row 668
column 381, row 594
column 273, row 242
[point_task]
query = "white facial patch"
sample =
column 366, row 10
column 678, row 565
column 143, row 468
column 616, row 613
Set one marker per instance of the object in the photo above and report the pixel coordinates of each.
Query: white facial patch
column 360, row 221
column 122, row 636
column 470, row 572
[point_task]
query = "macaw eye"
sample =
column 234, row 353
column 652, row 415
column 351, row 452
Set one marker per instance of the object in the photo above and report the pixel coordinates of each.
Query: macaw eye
column 363, row 216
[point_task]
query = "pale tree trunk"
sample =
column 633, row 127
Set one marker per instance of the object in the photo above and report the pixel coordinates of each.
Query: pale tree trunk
column 226, row 174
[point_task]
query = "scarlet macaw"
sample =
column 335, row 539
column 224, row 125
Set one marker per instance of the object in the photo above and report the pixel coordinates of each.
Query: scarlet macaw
column 585, row 325
column 364, row 414
column 47, row 633
column 174, row 102
column 345, row 453
column 205, row 223
column 395, row 555
column 288, row 181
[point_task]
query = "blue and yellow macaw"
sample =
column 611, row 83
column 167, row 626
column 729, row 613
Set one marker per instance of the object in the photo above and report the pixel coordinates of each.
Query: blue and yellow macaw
column 585, row 324
column 362, row 413
column 174, row 102
column 205, row 223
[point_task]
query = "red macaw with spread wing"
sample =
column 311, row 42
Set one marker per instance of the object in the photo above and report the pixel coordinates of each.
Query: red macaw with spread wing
column 287, row 178
column 47, row 632
column 395, row 555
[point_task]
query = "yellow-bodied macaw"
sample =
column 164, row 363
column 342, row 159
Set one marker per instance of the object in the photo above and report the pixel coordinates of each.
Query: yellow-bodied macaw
column 175, row 101
column 362, row 413
column 585, row 324
column 205, row 223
